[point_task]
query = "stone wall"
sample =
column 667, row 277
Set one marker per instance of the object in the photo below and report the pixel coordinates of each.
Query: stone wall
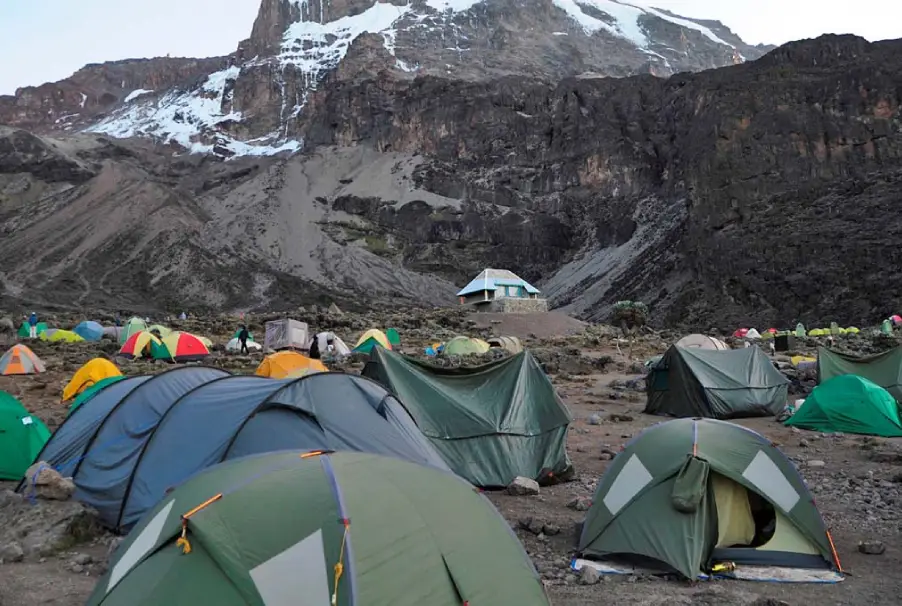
column 517, row 306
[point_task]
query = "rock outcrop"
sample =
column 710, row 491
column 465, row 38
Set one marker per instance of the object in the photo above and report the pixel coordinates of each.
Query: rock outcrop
column 756, row 194
column 254, row 102
column 95, row 89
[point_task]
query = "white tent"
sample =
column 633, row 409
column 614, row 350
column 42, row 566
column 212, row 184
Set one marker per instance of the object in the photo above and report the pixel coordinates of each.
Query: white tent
column 235, row 345
column 697, row 341
column 753, row 334
column 322, row 339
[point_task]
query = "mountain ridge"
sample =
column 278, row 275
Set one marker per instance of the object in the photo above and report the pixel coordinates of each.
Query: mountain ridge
column 702, row 194
column 251, row 102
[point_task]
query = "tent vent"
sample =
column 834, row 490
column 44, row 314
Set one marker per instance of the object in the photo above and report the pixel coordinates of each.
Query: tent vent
column 295, row 577
column 633, row 477
column 767, row 478
column 141, row 546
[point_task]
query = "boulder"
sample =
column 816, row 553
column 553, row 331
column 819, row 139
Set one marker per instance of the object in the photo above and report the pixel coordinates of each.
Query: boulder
column 47, row 483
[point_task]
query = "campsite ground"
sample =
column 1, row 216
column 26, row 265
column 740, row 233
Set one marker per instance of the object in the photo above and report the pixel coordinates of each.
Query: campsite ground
column 857, row 482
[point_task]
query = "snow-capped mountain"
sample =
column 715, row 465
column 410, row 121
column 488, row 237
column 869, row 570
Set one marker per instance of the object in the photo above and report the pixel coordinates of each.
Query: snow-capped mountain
column 254, row 104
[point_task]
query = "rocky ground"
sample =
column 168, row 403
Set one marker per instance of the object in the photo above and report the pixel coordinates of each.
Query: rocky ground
column 52, row 552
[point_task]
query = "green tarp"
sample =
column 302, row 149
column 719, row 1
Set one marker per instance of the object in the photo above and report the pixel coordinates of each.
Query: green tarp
column 850, row 404
column 22, row 436
column 675, row 496
column 884, row 369
column 404, row 534
column 715, row 384
column 490, row 423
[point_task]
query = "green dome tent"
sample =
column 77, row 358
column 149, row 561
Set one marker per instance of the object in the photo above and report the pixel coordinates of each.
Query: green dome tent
column 341, row 528
column 24, row 330
column 850, row 404
column 134, row 325
column 687, row 494
column 465, row 346
column 22, row 436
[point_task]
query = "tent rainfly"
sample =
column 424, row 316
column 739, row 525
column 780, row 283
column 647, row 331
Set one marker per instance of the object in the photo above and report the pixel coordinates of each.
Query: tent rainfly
column 22, row 436
column 715, row 384
column 308, row 528
column 690, row 493
column 490, row 423
column 118, row 445
column 849, row 404
column 884, row 369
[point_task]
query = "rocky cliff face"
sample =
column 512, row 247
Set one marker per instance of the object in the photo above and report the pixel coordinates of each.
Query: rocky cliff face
column 753, row 194
column 89, row 93
column 254, row 102
column 711, row 196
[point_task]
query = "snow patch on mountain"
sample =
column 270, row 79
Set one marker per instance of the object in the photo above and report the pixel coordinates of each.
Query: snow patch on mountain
column 183, row 117
column 624, row 21
column 455, row 6
column 135, row 94
column 706, row 31
column 317, row 48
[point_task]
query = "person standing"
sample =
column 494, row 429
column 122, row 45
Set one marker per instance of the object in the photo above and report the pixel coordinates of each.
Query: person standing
column 242, row 338
column 33, row 325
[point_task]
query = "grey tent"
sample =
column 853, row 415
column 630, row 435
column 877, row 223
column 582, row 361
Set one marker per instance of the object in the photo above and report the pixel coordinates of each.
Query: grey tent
column 137, row 438
column 490, row 423
column 286, row 334
column 689, row 493
column 715, row 384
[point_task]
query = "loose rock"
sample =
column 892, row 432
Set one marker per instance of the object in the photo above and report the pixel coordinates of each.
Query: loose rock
column 82, row 558
column 11, row 552
column 588, row 576
column 523, row 486
column 580, row 504
column 871, row 547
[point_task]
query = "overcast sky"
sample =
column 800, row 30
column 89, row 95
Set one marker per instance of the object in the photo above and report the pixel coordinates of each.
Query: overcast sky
column 47, row 40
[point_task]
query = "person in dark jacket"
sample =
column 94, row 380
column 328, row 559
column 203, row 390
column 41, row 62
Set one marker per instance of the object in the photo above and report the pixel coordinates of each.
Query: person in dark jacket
column 242, row 338
column 314, row 349
column 33, row 325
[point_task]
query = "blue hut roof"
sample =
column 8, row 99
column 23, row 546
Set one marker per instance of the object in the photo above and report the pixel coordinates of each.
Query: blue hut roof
column 491, row 279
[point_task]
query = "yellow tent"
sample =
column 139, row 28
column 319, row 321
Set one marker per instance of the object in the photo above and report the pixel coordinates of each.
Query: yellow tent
column 160, row 330
column 62, row 335
column 92, row 372
column 286, row 364
column 370, row 339
column 796, row 360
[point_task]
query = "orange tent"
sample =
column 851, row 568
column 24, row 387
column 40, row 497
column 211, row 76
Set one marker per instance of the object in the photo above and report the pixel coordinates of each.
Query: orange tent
column 92, row 372
column 20, row 360
column 288, row 364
